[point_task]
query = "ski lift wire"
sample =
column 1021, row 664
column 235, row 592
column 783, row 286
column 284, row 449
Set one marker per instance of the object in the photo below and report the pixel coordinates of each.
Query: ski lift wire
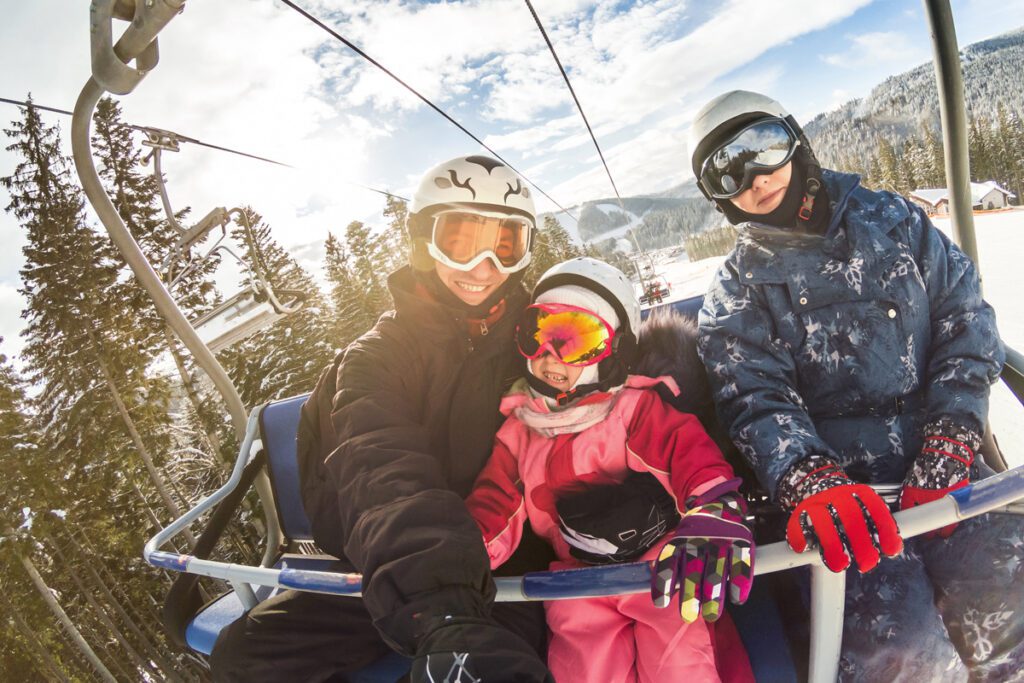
column 337, row 36
column 186, row 138
column 579, row 106
column 146, row 129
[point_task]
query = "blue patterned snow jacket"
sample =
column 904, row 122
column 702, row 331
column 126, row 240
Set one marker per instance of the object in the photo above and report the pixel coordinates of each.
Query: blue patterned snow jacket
column 846, row 345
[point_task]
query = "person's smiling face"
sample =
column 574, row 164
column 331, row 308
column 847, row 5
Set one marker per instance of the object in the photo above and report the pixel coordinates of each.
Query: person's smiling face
column 766, row 192
column 554, row 372
column 471, row 286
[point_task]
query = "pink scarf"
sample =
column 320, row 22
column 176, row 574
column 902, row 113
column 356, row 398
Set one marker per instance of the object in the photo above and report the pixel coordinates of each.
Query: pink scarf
column 535, row 412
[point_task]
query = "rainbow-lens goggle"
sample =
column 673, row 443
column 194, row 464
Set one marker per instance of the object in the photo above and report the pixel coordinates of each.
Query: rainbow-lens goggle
column 574, row 335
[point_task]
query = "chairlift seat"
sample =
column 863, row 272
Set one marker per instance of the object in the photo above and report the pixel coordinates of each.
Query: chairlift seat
column 759, row 621
column 238, row 317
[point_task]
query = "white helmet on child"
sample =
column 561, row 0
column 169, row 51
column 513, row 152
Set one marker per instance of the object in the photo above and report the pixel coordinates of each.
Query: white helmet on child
column 612, row 288
column 603, row 279
column 471, row 208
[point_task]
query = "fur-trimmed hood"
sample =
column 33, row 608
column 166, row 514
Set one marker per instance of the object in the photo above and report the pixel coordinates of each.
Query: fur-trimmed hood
column 667, row 345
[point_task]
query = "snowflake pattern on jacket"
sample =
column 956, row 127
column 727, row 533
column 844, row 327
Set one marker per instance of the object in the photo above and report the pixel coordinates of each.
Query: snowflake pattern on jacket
column 846, row 345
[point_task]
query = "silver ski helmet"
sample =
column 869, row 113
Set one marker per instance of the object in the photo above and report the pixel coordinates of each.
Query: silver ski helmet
column 612, row 285
column 720, row 121
column 724, row 115
column 474, row 184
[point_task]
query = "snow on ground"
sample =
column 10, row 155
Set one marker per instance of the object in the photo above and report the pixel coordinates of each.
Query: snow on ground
column 1000, row 238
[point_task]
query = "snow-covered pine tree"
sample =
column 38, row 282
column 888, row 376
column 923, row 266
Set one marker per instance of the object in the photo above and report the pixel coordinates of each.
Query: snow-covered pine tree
column 199, row 427
column 94, row 403
column 25, row 650
column 396, row 236
column 1009, row 135
column 286, row 358
column 553, row 245
column 934, row 173
column 347, row 320
column 980, row 150
column 887, row 176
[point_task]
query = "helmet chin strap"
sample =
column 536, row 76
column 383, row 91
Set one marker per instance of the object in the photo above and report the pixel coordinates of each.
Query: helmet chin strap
column 812, row 182
column 616, row 377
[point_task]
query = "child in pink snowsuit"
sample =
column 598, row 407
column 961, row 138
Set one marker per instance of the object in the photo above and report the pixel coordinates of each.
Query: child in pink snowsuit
column 578, row 422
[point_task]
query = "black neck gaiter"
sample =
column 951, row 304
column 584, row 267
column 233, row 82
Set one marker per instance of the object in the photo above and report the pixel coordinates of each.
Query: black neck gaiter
column 786, row 214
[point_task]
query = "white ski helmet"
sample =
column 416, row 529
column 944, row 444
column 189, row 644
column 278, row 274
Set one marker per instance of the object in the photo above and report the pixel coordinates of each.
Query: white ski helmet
column 612, row 285
column 475, row 183
column 723, row 114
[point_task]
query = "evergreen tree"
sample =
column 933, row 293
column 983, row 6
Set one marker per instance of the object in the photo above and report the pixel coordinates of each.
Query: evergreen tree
column 1009, row 140
column 99, row 417
column 369, row 262
column 348, row 321
column 907, row 175
column 396, row 237
column 887, row 175
column 933, row 165
column 553, row 245
column 135, row 196
column 982, row 151
column 286, row 358
column 63, row 282
column 24, row 480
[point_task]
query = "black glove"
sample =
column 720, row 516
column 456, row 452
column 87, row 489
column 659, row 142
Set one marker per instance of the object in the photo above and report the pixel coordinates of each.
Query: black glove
column 616, row 522
column 476, row 651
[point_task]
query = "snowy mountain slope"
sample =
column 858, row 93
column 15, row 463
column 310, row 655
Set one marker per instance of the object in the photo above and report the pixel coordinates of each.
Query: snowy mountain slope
column 899, row 106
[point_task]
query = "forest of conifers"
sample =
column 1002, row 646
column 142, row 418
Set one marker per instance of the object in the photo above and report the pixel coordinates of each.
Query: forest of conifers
column 100, row 444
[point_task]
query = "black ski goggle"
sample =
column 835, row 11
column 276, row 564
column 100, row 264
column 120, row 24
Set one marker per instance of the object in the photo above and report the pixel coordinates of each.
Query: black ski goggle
column 759, row 148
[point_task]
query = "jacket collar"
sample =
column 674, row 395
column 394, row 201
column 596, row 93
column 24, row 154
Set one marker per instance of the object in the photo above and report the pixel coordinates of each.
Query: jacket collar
column 520, row 394
column 413, row 301
column 859, row 227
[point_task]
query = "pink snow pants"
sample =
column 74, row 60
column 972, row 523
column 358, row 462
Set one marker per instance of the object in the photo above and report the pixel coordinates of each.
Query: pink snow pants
column 626, row 639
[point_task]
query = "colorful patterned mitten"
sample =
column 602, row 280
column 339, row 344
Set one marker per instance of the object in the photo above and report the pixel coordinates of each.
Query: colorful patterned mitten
column 944, row 465
column 711, row 550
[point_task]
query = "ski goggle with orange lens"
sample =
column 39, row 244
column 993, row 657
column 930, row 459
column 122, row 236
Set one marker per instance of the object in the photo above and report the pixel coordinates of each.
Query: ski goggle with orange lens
column 574, row 335
column 462, row 240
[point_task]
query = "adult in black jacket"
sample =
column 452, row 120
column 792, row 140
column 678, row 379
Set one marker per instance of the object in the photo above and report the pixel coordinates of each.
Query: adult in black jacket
column 391, row 441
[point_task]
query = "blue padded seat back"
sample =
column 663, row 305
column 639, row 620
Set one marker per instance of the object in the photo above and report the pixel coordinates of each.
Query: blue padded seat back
column 279, row 425
column 687, row 307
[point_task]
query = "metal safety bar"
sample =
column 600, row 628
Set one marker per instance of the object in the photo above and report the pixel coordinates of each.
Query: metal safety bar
column 997, row 493
column 994, row 494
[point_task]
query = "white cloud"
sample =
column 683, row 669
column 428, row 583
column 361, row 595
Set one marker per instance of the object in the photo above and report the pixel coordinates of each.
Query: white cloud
column 256, row 76
column 839, row 98
column 881, row 47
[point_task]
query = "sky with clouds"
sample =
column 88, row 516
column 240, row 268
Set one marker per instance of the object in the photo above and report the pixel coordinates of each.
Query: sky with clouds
column 254, row 75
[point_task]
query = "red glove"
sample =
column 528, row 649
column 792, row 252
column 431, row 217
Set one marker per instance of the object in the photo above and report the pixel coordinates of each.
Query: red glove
column 841, row 518
column 944, row 465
